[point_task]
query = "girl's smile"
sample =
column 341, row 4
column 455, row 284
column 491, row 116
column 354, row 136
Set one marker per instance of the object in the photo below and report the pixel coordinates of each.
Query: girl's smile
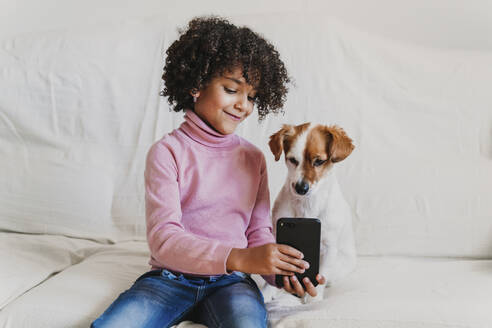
column 225, row 102
column 234, row 117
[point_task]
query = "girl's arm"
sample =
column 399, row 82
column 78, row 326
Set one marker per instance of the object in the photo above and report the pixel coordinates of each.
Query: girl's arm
column 170, row 245
column 259, row 231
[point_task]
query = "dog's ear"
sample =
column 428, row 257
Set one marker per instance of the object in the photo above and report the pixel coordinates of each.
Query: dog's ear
column 339, row 145
column 277, row 140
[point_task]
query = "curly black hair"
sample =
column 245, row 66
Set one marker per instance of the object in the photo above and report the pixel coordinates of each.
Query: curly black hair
column 212, row 45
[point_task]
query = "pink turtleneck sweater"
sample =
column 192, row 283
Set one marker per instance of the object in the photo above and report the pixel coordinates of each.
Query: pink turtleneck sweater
column 205, row 193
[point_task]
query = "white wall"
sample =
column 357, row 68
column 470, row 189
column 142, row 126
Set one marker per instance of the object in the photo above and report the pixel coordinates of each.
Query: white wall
column 436, row 23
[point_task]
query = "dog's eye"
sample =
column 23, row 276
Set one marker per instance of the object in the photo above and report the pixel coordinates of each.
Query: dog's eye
column 319, row 162
column 293, row 161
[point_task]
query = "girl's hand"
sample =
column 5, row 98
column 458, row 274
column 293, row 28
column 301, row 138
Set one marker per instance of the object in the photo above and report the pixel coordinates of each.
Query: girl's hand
column 293, row 285
column 267, row 260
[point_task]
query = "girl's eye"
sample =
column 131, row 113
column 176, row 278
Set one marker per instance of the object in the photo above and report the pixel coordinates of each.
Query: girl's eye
column 252, row 99
column 319, row 162
column 293, row 161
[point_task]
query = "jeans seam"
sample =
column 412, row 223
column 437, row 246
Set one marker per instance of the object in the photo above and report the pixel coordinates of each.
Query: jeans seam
column 181, row 316
column 212, row 314
column 198, row 296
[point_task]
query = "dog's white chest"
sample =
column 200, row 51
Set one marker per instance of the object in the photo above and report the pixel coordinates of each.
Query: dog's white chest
column 304, row 209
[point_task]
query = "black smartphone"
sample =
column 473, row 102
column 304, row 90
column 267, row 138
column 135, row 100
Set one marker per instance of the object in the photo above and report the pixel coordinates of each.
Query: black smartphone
column 304, row 235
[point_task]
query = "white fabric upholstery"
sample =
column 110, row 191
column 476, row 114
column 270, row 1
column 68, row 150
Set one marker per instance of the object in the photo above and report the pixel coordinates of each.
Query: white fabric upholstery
column 79, row 109
column 382, row 292
column 79, row 293
column 28, row 260
column 402, row 292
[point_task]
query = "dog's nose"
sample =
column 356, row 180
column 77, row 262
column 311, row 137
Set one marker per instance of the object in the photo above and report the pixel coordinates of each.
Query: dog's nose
column 302, row 187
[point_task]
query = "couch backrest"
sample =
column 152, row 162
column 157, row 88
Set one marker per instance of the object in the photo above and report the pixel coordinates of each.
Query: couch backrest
column 79, row 109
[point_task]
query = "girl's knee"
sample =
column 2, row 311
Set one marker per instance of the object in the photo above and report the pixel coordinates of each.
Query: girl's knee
column 242, row 310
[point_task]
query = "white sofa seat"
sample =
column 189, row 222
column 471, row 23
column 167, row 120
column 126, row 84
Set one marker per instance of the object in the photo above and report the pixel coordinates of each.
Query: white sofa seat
column 67, row 293
column 401, row 292
column 27, row 260
column 396, row 292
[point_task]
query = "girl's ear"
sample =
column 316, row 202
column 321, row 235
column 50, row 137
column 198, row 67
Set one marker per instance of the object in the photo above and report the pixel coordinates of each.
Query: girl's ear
column 338, row 144
column 195, row 93
column 277, row 140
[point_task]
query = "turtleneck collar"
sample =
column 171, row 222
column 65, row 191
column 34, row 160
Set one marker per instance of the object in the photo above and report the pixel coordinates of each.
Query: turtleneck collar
column 199, row 131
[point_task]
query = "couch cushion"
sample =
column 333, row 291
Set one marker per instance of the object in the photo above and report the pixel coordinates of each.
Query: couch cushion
column 400, row 292
column 28, row 260
column 79, row 293
column 382, row 292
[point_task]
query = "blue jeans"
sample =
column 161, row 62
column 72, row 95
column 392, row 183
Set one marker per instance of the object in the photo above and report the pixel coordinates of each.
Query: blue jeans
column 160, row 298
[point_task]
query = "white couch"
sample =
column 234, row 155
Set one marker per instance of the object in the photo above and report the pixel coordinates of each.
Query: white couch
column 80, row 107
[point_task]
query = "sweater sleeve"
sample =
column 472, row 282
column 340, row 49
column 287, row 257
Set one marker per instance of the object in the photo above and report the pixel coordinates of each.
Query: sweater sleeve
column 259, row 231
column 170, row 245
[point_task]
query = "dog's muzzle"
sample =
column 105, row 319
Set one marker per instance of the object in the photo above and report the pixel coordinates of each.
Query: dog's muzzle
column 301, row 187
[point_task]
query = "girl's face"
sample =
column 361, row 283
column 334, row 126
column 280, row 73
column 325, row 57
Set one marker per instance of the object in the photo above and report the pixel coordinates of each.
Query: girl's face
column 225, row 102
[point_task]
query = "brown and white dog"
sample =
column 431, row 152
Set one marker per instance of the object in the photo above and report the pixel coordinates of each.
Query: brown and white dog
column 311, row 190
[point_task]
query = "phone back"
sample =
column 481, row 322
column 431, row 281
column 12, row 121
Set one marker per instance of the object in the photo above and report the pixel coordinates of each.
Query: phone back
column 304, row 235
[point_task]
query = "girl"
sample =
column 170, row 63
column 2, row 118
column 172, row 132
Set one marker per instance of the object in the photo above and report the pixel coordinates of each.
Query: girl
column 207, row 197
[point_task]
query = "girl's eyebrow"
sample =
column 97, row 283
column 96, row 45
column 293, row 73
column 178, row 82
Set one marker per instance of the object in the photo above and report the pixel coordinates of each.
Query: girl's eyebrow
column 233, row 79
column 236, row 80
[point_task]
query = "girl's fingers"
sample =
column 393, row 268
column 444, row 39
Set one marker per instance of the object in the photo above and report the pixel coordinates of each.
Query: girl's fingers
column 291, row 251
column 283, row 272
column 311, row 290
column 297, row 286
column 289, row 267
column 292, row 285
column 287, row 286
column 292, row 264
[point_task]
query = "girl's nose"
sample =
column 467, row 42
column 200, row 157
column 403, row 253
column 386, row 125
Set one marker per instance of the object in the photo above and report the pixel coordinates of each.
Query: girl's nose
column 242, row 102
